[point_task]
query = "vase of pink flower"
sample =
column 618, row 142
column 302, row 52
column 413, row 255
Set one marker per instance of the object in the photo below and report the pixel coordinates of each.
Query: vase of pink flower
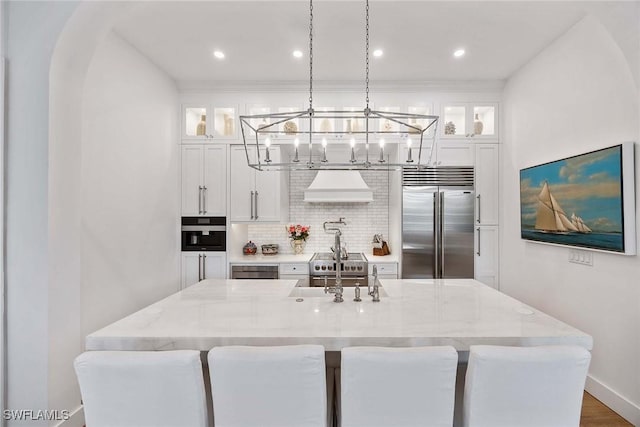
column 298, row 235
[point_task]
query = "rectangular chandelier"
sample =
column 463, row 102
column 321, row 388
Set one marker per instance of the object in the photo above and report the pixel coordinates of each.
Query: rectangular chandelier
column 367, row 132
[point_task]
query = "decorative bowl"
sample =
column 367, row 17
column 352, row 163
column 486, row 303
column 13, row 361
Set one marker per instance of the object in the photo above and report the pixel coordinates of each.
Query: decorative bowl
column 270, row 249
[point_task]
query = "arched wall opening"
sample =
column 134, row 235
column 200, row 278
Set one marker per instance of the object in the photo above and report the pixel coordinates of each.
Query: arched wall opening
column 113, row 186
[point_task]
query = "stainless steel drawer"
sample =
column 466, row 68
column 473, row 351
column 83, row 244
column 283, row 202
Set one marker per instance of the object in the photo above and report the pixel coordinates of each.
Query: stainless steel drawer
column 254, row 272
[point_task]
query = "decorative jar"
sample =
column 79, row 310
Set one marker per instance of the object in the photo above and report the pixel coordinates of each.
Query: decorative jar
column 298, row 246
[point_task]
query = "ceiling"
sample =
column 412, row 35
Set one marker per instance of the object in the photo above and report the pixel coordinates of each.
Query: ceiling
column 418, row 38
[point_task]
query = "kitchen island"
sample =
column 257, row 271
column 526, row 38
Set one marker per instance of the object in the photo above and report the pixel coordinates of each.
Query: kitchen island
column 460, row 313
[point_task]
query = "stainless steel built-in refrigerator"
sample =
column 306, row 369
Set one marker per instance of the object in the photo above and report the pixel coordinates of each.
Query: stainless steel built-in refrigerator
column 437, row 223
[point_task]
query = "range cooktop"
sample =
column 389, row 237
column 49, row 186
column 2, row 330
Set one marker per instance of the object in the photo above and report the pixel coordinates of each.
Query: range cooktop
column 323, row 264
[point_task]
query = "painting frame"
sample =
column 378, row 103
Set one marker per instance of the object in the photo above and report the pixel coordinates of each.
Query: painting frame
column 599, row 185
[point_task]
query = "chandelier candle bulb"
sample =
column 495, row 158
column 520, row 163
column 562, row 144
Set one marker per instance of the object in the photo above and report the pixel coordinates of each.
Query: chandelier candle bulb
column 381, row 159
column 267, row 144
column 409, row 159
column 353, row 153
column 324, row 150
column 296, row 143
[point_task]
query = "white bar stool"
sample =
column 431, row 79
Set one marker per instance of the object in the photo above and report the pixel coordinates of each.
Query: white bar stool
column 525, row 386
column 398, row 386
column 142, row 388
column 281, row 386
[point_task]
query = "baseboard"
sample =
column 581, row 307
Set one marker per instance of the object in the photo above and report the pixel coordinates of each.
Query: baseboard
column 76, row 418
column 620, row 404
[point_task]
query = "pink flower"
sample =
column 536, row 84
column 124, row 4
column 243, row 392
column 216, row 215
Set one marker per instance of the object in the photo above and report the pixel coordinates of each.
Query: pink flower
column 297, row 231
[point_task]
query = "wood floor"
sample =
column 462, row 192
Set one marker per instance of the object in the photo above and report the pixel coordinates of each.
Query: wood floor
column 595, row 413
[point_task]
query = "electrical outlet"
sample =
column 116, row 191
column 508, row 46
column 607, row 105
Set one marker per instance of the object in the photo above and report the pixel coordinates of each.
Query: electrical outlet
column 581, row 257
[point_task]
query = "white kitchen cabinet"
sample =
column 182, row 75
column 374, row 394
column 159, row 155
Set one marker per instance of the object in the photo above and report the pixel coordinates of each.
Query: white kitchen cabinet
column 452, row 153
column 197, row 122
column 417, row 154
column 197, row 266
column 204, row 180
column 294, row 271
column 487, row 183
column 386, row 270
column 446, row 153
column 486, row 258
column 256, row 196
column 469, row 120
column 205, row 122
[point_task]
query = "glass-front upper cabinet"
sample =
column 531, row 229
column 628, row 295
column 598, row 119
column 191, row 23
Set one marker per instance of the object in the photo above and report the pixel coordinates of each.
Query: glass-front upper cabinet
column 196, row 121
column 289, row 128
column 351, row 125
column 225, row 122
column 326, row 124
column 469, row 120
column 260, row 122
column 425, row 110
column 202, row 121
column 388, row 125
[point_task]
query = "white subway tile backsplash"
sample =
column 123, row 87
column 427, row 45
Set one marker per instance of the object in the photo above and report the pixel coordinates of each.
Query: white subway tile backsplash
column 363, row 219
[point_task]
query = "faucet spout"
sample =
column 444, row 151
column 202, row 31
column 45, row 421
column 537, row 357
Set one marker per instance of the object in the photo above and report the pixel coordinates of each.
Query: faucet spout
column 334, row 227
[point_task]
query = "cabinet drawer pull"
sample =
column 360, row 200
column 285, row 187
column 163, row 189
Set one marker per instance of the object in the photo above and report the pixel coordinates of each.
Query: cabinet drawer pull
column 252, row 205
column 204, row 199
column 256, row 205
column 478, row 229
column 204, row 266
column 479, row 204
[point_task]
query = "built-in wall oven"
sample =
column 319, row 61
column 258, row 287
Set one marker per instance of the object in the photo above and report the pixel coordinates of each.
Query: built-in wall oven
column 204, row 233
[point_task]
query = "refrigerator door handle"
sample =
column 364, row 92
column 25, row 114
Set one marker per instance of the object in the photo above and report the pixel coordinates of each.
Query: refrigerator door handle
column 441, row 224
column 478, row 252
column 436, row 239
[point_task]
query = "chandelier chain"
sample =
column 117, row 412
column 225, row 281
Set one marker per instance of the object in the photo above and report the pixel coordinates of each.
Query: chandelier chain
column 279, row 124
column 310, row 54
column 367, row 54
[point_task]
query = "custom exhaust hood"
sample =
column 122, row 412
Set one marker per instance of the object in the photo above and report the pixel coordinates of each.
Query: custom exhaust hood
column 338, row 186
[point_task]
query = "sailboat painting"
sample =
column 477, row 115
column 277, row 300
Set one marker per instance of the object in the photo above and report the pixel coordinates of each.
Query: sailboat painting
column 577, row 201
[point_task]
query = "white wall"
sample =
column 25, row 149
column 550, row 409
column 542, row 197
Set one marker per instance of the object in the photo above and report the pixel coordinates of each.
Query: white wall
column 130, row 186
column 32, row 30
column 575, row 96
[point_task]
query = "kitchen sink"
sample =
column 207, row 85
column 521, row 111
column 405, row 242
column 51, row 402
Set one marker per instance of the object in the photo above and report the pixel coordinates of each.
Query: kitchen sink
column 302, row 290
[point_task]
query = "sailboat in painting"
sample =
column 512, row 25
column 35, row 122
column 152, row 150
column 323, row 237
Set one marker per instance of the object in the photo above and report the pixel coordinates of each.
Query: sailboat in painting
column 550, row 218
column 579, row 224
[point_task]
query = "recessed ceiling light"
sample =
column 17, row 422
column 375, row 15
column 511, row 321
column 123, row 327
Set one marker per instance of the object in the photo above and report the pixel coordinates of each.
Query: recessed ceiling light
column 378, row 53
column 297, row 53
column 218, row 54
column 459, row 53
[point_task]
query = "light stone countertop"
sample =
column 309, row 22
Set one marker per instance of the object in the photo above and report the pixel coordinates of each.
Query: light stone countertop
column 373, row 259
column 212, row 313
column 269, row 259
column 302, row 258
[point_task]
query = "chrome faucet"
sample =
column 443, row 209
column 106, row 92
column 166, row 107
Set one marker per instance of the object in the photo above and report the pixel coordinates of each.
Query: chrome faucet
column 337, row 289
column 375, row 292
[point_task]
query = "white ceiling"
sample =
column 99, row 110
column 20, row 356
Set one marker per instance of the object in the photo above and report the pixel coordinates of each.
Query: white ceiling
column 418, row 38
